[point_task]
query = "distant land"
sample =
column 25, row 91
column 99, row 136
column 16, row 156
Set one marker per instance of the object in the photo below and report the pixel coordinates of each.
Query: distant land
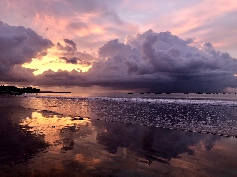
column 52, row 92
column 183, row 93
column 13, row 90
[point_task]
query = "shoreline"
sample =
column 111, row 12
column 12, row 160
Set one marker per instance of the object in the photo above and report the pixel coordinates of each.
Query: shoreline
column 60, row 145
column 216, row 117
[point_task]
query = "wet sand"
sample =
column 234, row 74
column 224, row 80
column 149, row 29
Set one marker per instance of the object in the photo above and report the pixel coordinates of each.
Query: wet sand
column 45, row 143
column 210, row 116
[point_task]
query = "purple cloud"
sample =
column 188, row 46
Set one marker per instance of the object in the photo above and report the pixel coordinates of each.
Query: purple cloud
column 18, row 45
column 159, row 62
column 152, row 61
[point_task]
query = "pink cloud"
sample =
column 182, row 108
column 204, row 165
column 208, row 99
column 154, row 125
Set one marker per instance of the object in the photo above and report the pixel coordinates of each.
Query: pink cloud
column 55, row 19
column 208, row 20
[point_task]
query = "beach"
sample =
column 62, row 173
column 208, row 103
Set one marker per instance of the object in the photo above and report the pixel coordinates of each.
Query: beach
column 115, row 88
column 52, row 136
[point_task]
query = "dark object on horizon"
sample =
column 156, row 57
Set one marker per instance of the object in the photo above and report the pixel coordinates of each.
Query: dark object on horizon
column 77, row 118
column 13, row 90
column 141, row 93
column 52, row 92
column 223, row 92
column 130, row 93
column 199, row 93
column 186, row 93
column 167, row 92
column 158, row 93
column 208, row 93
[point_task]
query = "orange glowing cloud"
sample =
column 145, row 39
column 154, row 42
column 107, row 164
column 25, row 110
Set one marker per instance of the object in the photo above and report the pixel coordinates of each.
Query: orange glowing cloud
column 50, row 62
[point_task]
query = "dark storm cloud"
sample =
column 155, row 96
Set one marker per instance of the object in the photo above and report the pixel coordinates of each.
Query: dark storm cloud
column 160, row 62
column 18, row 45
column 70, row 46
column 72, row 56
column 150, row 61
column 75, row 60
column 113, row 47
column 71, row 60
column 60, row 78
column 172, row 61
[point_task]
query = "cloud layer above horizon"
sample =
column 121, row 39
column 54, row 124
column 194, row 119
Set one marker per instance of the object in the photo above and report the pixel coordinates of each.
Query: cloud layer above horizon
column 88, row 43
column 151, row 61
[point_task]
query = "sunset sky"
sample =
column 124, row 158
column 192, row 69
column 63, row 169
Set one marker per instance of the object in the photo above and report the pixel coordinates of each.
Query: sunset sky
column 152, row 45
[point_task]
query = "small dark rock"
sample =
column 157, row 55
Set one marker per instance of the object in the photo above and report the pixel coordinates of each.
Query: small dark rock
column 77, row 118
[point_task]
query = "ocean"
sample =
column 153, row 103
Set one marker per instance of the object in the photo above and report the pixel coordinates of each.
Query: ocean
column 118, row 134
column 210, row 113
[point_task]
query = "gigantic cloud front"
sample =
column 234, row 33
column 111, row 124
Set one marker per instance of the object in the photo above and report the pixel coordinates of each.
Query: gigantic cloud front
column 156, row 62
column 159, row 62
column 18, row 45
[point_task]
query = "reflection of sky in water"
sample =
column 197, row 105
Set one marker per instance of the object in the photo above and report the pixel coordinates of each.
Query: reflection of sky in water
column 91, row 147
column 214, row 116
column 56, row 129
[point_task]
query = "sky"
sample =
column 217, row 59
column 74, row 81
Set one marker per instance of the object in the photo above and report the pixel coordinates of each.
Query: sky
column 152, row 45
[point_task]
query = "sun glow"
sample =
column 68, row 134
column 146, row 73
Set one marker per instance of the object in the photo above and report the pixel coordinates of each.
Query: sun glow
column 54, row 63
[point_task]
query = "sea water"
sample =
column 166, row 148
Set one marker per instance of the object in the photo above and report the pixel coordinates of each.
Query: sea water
column 117, row 135
column 203, row 113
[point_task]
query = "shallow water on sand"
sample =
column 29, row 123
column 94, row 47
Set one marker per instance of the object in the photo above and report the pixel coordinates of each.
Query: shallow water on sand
column 218, row 116
column 46, row 143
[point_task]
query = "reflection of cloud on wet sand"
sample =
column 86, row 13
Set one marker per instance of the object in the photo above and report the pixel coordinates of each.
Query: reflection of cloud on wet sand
column 220, row 160
column 57, row 130
column 92, row 148
column 167, row 152
column 89, row 162
column 63, row 134
column 150, row 143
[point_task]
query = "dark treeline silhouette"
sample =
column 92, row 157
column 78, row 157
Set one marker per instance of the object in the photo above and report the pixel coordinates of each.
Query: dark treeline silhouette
column 16, row 90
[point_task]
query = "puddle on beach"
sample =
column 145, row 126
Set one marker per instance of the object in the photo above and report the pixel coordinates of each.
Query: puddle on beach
column 43, row 143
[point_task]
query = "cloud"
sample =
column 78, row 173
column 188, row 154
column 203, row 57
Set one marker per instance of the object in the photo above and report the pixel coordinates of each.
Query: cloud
column 70, row 54
column 71, row 60
column 70, row 46
column 189, row 19
column 88, row 23
column 113, row 48
column 149, row 61
column 70, row 49
column 77, row 26
column 60, row 78
column 75, row 60
column 18, row 45
column 158, row 62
